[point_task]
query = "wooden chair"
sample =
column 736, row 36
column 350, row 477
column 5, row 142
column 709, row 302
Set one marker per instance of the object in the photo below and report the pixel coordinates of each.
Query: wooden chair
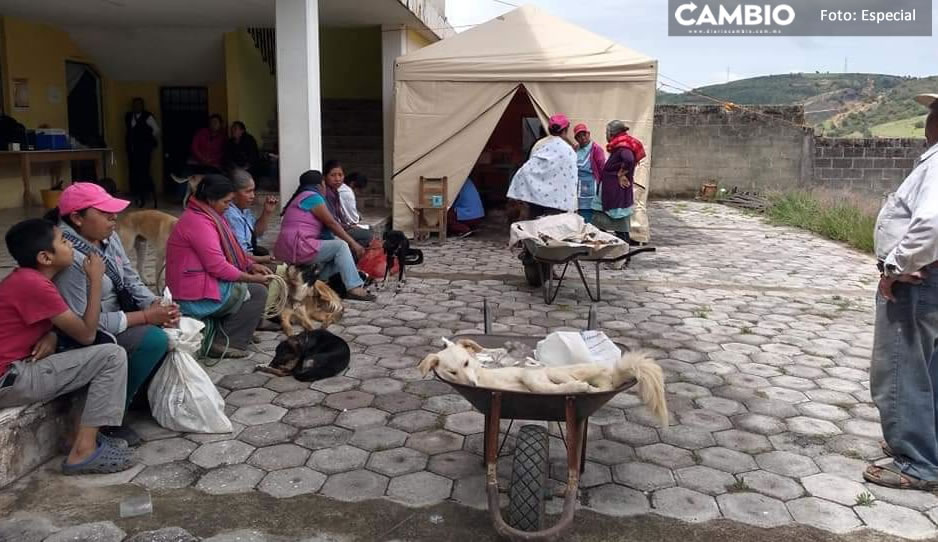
column 429, row 218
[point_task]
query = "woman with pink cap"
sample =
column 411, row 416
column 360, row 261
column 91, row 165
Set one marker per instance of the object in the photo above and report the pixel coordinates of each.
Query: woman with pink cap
column 590, row 160
column 547, row 182
column 131, row 314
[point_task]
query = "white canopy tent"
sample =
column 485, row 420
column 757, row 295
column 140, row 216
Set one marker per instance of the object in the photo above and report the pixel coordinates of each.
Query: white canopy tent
column 450, row 96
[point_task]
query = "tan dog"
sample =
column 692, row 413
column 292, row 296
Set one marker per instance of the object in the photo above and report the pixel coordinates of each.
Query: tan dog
column 141, row 229
column 309, row 299
column 457, row 363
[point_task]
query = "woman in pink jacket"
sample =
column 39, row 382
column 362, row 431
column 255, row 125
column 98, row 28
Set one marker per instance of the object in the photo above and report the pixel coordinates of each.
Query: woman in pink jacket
column 209, row 274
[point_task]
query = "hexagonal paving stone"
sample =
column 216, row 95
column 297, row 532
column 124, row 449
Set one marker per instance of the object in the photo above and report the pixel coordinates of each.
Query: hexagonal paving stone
column 823, row 411
column 239, row 478
column 833, row 488
column 793, row 382
column 435, row 442
column 864, row 428
column 420, row 489
column 787, row 464
column 258, row 414
column 742, row 441
column 630, row 433
column 336, row 384
column 684, row 504
column 465, row 423
column 417, row 420
column 299, row 398
column 175, row 475
column 378, row 438
column 314, row 416
column 896, row 520
column 162, row 451
column 844, row 467
column 618, row 501
column 397, row 461
column 456, row 465
column 348, row 400
column 397, row 402
column 771, row 407
column 784, row 395
column 687, row 437
column 292, row 482
column 357, row 485
column 643, row 476
column 726, row 460
column 832, row 397
column 824, row 515
column 666, row 455
column 267, row 434
column 282, row 384
column 760, row 424
column 685, row 389
column 721, row 405
column 339, row 459
column 812, row 427
column 216, row 454
column 704, row 479
column 754, row 509
column 280, row 456
column 318, row 438
column 593, row 474
column 382, row 386
column 705, row 419
column 447, row 404
column 250, row 396
column 362, row 418
column 243, row 381
column 772, row 485
column 428, row 388
column 608, row 452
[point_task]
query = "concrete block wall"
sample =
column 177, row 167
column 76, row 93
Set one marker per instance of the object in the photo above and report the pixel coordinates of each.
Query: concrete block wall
column 872, row 165
column 760, row 148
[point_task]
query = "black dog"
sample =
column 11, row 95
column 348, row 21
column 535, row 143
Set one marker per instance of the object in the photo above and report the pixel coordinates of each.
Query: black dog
column 311, row 355
column 397, row 247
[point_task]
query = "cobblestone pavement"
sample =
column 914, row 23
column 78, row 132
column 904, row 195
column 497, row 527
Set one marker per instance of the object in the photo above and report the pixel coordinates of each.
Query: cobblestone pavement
column 764, row 334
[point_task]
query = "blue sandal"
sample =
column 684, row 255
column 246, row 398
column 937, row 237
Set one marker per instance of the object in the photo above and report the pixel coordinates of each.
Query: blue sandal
column 105, row 460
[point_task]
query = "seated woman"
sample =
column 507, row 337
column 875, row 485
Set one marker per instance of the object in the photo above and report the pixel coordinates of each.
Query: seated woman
column 467, row 211
column 300, row 241
column 130, row 312
column 210, row 274
column 334, row 178
column 247, row 227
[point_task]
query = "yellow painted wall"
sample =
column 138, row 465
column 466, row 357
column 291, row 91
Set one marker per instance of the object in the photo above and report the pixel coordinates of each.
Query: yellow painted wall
column 251, row 88
column 350, row 63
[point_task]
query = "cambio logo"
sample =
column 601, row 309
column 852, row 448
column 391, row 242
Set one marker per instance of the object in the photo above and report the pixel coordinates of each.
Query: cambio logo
column 741, row 15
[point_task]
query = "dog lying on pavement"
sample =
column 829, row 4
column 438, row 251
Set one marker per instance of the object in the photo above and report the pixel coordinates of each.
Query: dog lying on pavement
column 142, row 229
column 457, row 363
column 310, row 355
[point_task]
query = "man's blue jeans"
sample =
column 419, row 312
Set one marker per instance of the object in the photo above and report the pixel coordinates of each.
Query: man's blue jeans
column 904, row 375
column 334, row 256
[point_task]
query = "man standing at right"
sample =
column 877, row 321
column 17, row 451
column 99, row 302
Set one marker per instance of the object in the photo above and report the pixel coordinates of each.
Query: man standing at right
column 904, row 369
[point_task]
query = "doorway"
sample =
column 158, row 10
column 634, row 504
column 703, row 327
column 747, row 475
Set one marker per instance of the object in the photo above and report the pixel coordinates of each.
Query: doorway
column 85, row 121
column 185, row 111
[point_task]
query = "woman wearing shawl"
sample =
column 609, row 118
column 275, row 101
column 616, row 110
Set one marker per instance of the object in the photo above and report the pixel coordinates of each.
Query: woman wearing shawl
column 333, row 178
column 590, row 160
column 613, row 205
column 210, row 275
column 547, row 182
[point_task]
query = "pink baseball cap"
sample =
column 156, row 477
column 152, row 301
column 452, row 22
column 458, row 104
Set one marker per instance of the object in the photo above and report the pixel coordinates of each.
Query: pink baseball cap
column 559, row 120
column 580, row 128
column 80, row 196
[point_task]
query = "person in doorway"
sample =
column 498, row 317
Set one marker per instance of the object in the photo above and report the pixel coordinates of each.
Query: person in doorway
column 208, row 146
column 246, row 227
column 547, row 182
column 241, row 149
column 613, row 205
column 903, row 379
column 300, row 242
column 590, row 160
column 141, row 135
column 334, row 177
column 467, row 211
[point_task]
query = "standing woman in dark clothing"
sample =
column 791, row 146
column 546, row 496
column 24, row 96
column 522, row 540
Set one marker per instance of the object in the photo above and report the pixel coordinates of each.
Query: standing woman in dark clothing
column 141, row 133
column 614, row 201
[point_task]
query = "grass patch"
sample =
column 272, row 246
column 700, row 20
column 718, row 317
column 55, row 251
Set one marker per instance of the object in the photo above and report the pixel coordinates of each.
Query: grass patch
column 865, row 499
column 841, row 216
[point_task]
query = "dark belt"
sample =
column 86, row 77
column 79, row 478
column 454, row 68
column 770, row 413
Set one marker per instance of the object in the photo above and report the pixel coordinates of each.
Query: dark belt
column 9, row 378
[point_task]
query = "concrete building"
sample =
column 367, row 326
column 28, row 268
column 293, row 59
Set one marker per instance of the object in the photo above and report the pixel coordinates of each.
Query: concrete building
column 311, row 79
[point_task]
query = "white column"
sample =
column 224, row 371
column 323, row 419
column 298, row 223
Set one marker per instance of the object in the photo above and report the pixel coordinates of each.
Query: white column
column 298, row 102
column 393, row 45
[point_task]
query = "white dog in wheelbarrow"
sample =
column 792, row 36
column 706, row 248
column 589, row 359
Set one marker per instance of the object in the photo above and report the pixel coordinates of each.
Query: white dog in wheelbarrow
column 457, row 363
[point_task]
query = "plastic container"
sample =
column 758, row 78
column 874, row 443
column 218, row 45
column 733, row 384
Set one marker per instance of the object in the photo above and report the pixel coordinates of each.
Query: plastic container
column 51, row 139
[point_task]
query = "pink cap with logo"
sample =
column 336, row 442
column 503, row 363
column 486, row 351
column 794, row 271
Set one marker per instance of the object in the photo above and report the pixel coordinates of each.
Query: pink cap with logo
column 560, row 120
column 580, row 128
column 80, row 196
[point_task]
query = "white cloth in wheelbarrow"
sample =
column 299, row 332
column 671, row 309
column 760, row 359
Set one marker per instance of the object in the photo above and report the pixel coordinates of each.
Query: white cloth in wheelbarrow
column 568, row 230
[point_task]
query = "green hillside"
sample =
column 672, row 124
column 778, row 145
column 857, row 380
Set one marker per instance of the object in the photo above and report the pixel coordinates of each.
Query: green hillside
column 839, row 105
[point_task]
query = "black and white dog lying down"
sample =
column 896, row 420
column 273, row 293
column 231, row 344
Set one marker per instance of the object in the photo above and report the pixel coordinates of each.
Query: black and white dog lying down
column 397, row 248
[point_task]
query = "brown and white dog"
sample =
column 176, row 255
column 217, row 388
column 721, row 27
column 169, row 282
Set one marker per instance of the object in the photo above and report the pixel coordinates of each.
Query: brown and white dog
column 142, row 229
column 309, row 299
column 456, row 363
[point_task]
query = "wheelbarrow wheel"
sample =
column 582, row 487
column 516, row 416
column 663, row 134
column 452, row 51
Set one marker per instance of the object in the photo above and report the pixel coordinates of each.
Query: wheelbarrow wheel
column 526, row 493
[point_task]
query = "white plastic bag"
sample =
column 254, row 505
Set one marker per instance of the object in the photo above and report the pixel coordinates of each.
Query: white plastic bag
column 182, row 396
column 572, row 347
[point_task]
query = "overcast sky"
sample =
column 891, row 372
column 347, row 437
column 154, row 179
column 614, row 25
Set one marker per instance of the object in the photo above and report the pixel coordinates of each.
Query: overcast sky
column 642, row 25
